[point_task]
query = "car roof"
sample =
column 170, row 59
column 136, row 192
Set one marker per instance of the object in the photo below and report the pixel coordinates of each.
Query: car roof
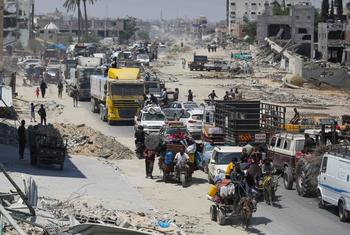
column 228, row 149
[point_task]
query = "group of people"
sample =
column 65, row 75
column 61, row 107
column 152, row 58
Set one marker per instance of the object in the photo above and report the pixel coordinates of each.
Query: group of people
column 212, row 48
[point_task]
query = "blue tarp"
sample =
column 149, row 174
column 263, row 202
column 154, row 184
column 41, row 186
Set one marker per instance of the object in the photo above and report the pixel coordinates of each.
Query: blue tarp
column 58, row 46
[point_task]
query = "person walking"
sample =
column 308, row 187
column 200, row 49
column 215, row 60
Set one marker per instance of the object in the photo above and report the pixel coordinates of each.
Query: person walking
column 227, row 96
column 176, row 94
column 43, row 88
column 75, row 96
column 165, row 96
column 32, row 112
column 190, row 96
column 212, row 95
column 42, row 114
column 183, row 63
column 37, row 92
column 209, row 48
column 60, row 89
column 150, row 157
column 21, row 140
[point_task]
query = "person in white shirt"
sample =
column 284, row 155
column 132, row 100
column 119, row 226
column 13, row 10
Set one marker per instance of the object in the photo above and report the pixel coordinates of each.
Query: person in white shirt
column 181, row 156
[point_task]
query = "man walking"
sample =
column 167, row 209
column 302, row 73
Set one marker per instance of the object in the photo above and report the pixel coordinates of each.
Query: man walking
column 190, row 96
column 43, row 88
column 21, row 139
column 32, row 112
column 212, row 95
column 60, row 89
column 42, row 114
column 176, row 94
column 149, row 162
column 75, row 96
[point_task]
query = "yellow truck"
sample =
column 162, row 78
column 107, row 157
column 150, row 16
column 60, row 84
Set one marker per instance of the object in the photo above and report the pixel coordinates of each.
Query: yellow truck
column 118, row 96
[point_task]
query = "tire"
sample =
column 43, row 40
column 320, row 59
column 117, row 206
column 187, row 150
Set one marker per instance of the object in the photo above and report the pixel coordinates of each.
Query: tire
column 94, row 108
column 221, row 216
column 343, row 214
column 213, row 213
column 183, row 180
column 165, row 177
column 210, row 180
column 61, row 166
column 306, row 178
column 288, row 178
column 321, row 203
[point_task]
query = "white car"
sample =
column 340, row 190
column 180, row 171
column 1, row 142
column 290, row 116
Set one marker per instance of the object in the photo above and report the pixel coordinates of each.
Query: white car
column 334, row 181
column 151, row 118
column 220, row 159
column 143, row 59
column 193, row 119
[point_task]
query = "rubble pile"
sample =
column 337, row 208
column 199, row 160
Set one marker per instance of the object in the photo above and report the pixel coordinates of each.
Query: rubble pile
column 84, row 140
column 8, row 134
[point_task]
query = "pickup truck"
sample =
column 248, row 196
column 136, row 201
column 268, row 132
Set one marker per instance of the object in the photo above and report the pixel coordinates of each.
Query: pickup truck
column 217, row 66
column 198, row 62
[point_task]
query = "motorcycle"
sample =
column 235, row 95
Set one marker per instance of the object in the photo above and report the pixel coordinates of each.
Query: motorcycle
column 182, row 173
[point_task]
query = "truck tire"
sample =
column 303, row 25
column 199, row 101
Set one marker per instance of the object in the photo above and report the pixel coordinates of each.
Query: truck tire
column 306, row 178
column 288, row 178
column 213, row 213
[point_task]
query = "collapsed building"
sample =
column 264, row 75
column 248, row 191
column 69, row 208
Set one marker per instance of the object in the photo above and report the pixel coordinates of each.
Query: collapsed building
column 294, row 31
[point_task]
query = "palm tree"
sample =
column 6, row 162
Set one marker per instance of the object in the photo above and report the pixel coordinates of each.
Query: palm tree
column 86, row 17
column 71, row 5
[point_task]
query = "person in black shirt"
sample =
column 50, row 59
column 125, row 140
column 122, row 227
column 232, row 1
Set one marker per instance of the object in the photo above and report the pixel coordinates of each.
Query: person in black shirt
column 21, row 139
column 190, row 96
column 42, row 114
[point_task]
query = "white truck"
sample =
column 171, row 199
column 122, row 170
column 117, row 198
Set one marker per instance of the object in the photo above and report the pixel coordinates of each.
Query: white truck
column 220, row 159
column 334, row 180
column 86, row 66
column 151, row 118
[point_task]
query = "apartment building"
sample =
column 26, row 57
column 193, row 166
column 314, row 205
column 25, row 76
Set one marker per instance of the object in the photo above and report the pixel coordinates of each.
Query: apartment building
column 238, row 11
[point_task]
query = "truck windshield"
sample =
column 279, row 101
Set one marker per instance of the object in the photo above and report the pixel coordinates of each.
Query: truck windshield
column 299, row 145
column 127, row 89
column 153, row 117
column 225, row 158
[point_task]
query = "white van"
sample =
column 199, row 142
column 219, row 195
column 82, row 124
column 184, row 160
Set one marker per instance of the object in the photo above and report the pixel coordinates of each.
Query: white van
column 334, row 181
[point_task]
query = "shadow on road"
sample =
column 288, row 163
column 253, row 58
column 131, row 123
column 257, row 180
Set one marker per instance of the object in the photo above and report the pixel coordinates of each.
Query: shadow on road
column 9, row 158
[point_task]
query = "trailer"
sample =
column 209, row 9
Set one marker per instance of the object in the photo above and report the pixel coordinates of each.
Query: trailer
column 245, row 121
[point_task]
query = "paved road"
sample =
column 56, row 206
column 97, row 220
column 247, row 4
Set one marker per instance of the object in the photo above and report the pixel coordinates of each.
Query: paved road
column 292, row 214
column 83, row 178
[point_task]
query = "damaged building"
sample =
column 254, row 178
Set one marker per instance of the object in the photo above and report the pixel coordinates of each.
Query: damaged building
column 334, row 42
column 294, row 31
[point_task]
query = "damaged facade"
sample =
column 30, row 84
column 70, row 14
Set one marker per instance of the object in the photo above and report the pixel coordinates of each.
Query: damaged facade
column 294, row 31
column 334, row 42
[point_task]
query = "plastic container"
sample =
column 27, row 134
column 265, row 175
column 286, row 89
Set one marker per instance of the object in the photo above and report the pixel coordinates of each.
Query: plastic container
column 169, row 158
column 212, row 191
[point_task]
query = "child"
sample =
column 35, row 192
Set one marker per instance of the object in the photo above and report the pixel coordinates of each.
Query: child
column 37, row 92
column 32, row 112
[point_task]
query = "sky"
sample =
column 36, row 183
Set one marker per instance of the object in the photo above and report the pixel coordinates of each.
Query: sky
column 146, row 9
column 215, row 10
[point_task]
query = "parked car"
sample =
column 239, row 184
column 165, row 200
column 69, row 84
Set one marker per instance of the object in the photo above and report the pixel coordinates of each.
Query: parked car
column 193, row 119
column 205, row 154
column 143, row 59
column 283, row 150
column 177, row 109
column 151, row 118
column 334, row 181
column 220, row 159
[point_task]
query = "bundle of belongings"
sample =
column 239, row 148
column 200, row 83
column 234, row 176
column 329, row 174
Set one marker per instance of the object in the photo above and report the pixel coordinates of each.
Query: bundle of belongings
column 226, row 192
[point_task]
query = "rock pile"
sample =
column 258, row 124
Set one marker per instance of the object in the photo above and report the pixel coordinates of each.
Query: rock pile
column 84, row 140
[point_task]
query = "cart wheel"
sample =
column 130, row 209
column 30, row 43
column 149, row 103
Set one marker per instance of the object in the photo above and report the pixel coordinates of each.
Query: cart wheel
column 213, row 213
column 165, row 177
column 221, row 216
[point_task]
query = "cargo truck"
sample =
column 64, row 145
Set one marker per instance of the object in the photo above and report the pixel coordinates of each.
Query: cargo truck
column 117, row 97
column 86, row 67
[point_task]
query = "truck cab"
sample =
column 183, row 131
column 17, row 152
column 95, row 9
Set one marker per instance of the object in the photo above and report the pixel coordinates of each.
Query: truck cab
column 334, row 180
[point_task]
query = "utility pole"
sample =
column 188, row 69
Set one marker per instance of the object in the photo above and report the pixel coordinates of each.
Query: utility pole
column 1, row 38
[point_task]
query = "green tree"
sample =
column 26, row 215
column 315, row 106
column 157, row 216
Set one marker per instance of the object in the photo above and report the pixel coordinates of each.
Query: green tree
column 277, row 10
column 72, row 5
column 143, row 35
column 250, row 29
column 324, row 10
column 130, row 29
column 86, row 16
